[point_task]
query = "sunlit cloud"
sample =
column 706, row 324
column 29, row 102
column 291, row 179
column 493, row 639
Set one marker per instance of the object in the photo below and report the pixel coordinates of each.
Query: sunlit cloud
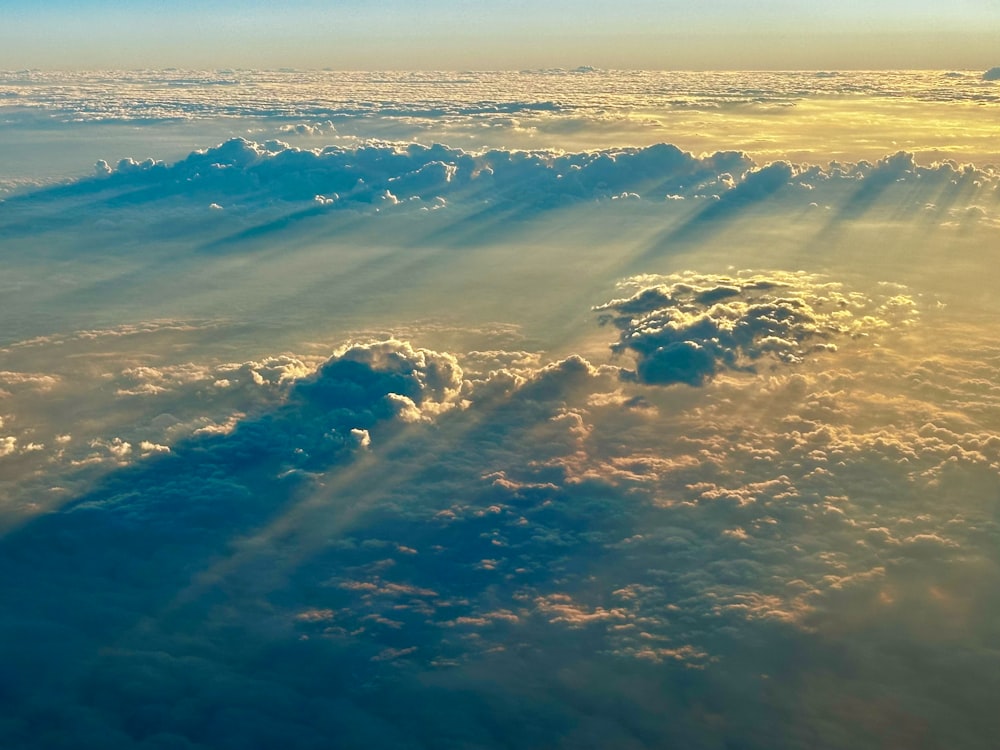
column 571, row 407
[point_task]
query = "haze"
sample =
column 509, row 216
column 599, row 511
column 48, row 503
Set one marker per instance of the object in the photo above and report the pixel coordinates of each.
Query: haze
column 504, row 36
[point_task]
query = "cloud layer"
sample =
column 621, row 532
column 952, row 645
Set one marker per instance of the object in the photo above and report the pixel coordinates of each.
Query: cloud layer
column 162, row 95
column 402, row 538
column 239, row 512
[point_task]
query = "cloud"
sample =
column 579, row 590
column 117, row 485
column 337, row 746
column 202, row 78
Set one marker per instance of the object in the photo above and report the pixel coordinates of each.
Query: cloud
column 152, row 327
column 241, row 170
column 309, row 129
column 402, row 520
column 691, row 327
column 408, row 543
column 414, row 381
column 259, row 189
column 322, row 95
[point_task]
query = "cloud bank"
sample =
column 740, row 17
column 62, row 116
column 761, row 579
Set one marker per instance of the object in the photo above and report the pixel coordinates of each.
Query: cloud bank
column 271, row 186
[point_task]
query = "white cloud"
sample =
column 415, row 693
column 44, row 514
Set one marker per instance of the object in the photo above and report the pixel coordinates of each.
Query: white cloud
column 8, row 446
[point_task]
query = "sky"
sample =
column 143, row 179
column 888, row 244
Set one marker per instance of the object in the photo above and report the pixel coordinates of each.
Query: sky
column 513, row 35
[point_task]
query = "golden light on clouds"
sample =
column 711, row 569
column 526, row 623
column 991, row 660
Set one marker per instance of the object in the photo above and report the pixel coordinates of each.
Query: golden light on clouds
column 561, row 408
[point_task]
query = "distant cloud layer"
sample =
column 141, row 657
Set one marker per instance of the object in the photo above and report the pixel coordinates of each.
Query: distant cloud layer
column 153, row 95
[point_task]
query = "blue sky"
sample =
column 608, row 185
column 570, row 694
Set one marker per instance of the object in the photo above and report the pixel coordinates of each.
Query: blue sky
column 511, row 35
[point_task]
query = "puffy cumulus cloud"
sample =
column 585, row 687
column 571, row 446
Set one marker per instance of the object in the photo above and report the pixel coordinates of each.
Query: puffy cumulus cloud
column 318, row 411
column 8, row 446
column 416, row 381
column 117, row 449
column 308, row 129
column 690, row 327
column 146, row 380
column 375, row 172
